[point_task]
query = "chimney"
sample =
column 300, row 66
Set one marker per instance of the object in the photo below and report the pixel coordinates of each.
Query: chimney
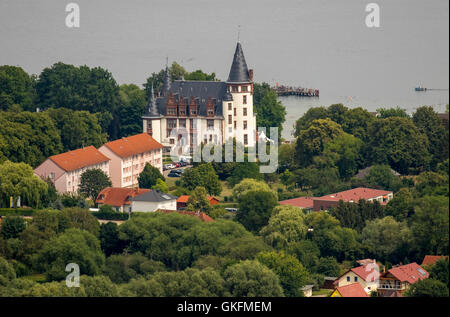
column 250, row 74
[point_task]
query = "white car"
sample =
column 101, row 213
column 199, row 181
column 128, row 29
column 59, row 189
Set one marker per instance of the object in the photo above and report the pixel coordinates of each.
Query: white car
column 168, row 166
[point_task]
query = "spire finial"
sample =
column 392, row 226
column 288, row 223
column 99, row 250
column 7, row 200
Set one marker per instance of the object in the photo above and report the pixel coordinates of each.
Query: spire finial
column 239, row 32
column 167, row 61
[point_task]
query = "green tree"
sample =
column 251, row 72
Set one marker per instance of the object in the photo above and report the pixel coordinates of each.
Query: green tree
column 430, row 225
column 198, row 201
column 382, row 177
column 285, row 227
column 398, row 142
column 132, row 106
column 18, row 180
column 428, row 288
column 311, row 141
column 344, row 153
column 293, row 276
column 354, row 216
column 161, row 186
column 314, row 113
column 440, row 271
column 77, row 128
column 93, row 181
column 269, row 111
column 30, row 137
column 80, row 88
column 328, row 266
column 255, row 209
column 203, row 175
column 244, row 170
column 109, row 238
column 401, row 206
column 384, row 239
column 7, row 273
column 16, row 88
column 251, row 279
column 12, row 227
column 72, row 246
column 428, row 122
column 149, row 176
column 392, row 112
column 249, row 184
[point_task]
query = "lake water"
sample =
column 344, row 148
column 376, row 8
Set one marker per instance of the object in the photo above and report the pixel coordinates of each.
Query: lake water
column 322, row 44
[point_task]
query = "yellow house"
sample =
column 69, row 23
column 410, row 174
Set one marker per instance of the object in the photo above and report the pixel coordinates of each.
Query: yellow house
column 365, row 275
column 350, row 290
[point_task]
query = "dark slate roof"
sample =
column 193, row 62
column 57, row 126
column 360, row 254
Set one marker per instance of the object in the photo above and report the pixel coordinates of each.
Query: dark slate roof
column 152, row 109
column 200, row 90
column 239, row 70
column 154, row 196
column 167, row 81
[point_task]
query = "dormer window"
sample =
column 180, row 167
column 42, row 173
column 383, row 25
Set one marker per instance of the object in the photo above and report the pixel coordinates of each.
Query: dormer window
column 234, row 88
column 244, row 88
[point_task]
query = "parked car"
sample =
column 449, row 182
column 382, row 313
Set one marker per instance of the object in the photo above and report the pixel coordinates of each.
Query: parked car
column 231, row 209
column 176, row 164
column 174, row 174
column 168, row 167
column 183, row 163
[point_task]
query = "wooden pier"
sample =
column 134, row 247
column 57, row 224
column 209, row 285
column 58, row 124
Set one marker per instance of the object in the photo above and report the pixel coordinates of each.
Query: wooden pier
column 295, row 91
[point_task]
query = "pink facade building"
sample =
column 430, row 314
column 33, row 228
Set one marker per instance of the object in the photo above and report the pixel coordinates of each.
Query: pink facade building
column 65, row 169
column 129, row 156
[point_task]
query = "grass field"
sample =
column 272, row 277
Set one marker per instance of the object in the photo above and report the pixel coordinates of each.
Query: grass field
column 326, row 292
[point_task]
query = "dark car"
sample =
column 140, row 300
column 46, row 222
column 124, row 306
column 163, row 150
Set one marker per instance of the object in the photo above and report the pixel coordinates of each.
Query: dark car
column 183, row 163
column 174, row 173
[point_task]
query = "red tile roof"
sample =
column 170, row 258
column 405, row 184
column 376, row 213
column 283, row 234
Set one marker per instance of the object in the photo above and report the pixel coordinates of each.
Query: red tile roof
column 432, row 259
column 118, row 197
column 136, row 144
column 185, row 198
column 301, row 202
column 352, row 290
column 204, row 217
column 366, row 272
column 355, row 194
column 76, row 159
column 410, row 273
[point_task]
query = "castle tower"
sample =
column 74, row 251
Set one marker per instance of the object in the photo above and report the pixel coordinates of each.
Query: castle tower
column 239, row 117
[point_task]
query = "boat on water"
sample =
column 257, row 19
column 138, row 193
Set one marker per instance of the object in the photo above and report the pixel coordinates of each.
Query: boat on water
column 420, row 89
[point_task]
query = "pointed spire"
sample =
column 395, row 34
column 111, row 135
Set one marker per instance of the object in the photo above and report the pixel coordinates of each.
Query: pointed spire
column 167, row 81
column 152, row 107
column 239, row 71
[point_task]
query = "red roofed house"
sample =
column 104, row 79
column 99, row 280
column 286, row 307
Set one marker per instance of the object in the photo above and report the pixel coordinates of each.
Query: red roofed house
column 65, row 169
column 432, row 259
column 129, row 156
column 119, row 198
column 306, row 203
column 365, row 275
column 352, row 195
column 398, row 279
column 182, row 201
column 350, row 290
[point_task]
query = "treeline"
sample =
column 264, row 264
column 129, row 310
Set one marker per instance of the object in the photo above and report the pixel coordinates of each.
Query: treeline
column 333, row 143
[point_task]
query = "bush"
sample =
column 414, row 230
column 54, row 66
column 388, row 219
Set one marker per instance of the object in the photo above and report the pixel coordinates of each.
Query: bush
column 110, row 215
column 16, row 211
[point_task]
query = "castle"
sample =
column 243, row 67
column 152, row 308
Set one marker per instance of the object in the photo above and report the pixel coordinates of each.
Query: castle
column 188, row 113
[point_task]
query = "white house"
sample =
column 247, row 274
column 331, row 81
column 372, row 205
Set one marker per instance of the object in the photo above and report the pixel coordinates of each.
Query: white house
column 152, row 201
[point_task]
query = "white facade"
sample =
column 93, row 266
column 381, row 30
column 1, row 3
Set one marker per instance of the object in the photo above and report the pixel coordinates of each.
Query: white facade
column 147, row 206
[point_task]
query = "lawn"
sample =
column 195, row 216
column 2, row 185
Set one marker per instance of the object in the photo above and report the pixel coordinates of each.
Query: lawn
column 323, row 291
column 39, row 278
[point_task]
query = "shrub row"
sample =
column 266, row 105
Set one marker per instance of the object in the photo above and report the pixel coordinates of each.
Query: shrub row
column 110, row 215
column 16, row 212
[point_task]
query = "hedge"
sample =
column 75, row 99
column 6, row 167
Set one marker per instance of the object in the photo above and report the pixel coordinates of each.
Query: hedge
column 110, row 215
column 16, row 212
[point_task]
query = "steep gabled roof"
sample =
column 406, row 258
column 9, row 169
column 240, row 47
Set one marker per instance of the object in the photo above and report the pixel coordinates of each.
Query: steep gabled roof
column 239, row 71
column 76, row 159
column 132, row 145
